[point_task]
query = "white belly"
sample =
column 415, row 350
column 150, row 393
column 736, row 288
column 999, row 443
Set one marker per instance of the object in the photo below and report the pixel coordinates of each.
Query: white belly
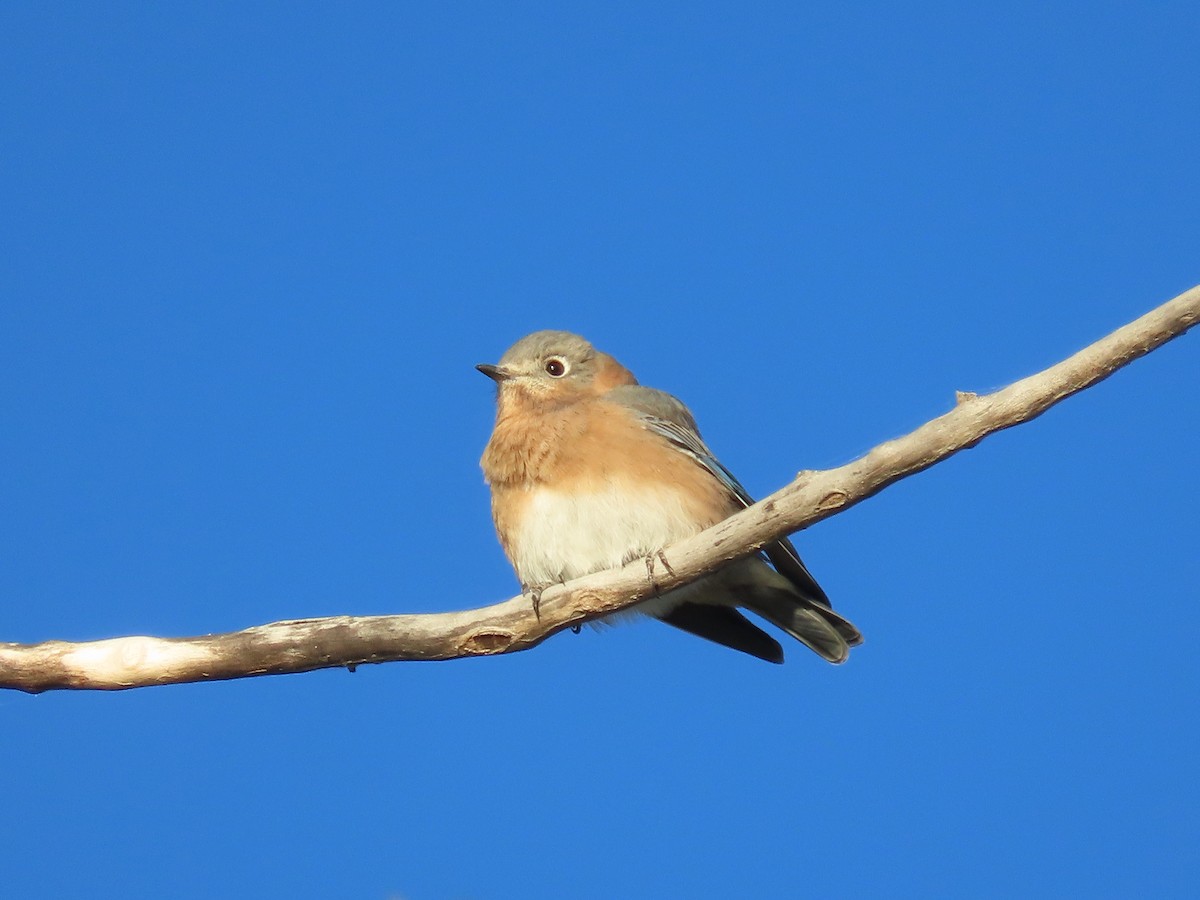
column 564, row 536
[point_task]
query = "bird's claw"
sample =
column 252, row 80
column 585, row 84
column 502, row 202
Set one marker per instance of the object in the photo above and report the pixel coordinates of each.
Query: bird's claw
column 662, row 558
column 650, row 559
column 535, row 596
column 535, row 593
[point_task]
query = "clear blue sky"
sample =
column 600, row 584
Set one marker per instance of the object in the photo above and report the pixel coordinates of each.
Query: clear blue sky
column 251, row 253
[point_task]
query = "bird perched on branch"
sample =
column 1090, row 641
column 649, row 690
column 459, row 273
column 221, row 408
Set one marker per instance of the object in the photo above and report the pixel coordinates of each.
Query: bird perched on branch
column 589, row 470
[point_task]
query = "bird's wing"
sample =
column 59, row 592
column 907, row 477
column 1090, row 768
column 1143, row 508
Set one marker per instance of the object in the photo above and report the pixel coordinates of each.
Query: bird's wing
column 667, row 416
column 726, row 626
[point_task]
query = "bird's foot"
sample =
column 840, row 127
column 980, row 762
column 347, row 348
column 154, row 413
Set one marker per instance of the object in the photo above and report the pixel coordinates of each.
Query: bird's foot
column 650, row 560
column 662, row 558
column 535, row 593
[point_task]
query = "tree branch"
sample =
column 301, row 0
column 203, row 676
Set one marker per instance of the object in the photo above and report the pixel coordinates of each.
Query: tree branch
column 347, row 641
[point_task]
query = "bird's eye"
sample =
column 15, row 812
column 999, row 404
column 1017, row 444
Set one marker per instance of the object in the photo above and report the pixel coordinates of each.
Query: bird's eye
column 555, row 367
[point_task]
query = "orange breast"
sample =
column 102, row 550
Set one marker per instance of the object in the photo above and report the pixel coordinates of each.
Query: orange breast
column 591, row 448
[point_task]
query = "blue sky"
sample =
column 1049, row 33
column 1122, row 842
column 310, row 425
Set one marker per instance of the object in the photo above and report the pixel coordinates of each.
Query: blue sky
column 251, row 256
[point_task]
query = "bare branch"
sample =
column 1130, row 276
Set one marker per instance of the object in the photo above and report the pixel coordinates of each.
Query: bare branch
column 347, row 641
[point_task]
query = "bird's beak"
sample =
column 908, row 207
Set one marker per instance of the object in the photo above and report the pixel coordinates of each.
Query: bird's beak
column 498, row 374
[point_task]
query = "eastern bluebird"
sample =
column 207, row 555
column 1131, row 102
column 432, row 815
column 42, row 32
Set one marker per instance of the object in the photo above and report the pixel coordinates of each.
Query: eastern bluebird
column 589, row 470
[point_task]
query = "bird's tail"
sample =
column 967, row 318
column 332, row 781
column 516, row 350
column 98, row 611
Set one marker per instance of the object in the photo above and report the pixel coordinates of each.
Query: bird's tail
column 813, row 624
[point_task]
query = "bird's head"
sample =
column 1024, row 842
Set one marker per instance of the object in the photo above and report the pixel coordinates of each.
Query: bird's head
column 550, row 367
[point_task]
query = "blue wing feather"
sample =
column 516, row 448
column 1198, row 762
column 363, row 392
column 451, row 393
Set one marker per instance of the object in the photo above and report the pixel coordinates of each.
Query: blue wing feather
column 667, row 416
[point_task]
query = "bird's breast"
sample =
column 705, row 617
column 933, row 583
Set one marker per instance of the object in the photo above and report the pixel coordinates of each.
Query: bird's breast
column 588, row 487
column 561, row 535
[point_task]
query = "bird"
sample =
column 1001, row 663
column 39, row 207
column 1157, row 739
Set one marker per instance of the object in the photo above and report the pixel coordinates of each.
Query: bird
column 589, row 470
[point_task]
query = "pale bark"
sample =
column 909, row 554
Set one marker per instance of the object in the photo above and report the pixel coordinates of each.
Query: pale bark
column 347, row 641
